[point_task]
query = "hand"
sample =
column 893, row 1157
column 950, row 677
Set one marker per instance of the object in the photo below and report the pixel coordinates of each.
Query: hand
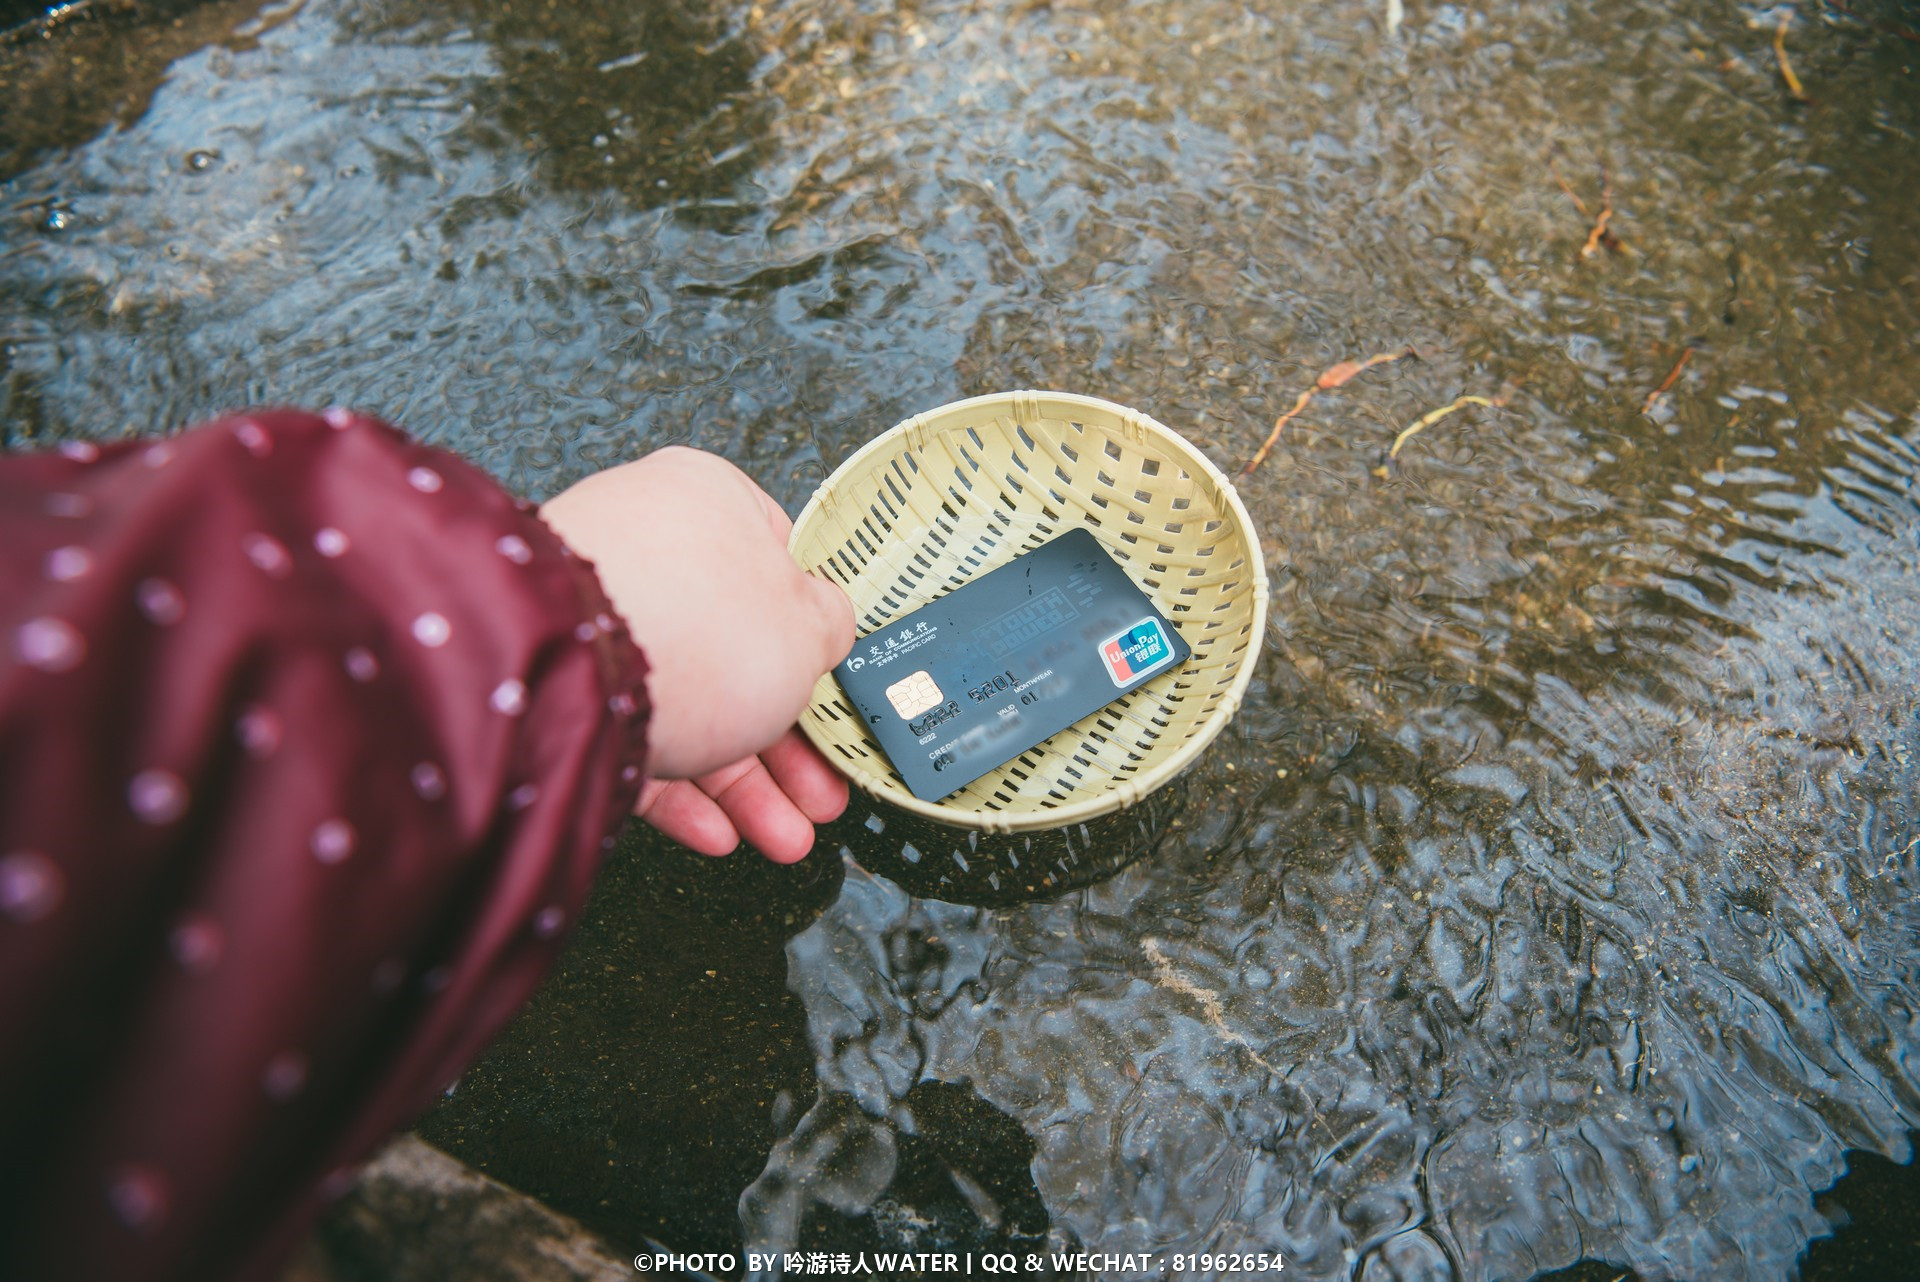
column 693, row 555
column 771, row 801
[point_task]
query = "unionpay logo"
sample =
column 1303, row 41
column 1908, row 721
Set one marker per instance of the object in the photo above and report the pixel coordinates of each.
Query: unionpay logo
column 1133, row 653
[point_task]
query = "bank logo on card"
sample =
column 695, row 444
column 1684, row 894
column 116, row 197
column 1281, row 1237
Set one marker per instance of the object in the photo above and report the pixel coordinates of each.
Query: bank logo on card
column 1135, row 652
column 915, row 694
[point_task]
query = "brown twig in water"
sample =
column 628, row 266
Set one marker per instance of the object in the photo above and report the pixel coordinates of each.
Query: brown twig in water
column 1266, row 446
column 1673, row 376
column 1600, row 234
column 1434, row 416
column 1333, row 376
column 1786, row 68
column 1572, row 195
column 1421, row 424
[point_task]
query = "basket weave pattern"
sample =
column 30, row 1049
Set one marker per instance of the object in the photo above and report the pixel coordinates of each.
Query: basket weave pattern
column 961, row 490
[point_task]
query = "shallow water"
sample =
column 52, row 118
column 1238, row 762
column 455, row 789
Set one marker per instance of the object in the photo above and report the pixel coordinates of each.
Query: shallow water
column 1553, row 898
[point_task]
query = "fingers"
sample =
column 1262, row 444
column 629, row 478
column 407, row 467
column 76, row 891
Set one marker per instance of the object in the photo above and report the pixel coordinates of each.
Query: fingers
column 760, row 810
column 771, row 801
column 807, row 778
column 683, row 813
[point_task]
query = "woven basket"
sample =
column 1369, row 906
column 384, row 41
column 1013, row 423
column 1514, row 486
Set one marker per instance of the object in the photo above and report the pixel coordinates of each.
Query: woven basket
column 963, row 489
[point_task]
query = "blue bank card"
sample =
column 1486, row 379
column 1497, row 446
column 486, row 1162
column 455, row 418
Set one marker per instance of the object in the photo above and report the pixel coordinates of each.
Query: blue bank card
column 967, row 683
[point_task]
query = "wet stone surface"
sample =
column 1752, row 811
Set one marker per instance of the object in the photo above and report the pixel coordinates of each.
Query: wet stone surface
column 1550, row 906
column 417, row 1215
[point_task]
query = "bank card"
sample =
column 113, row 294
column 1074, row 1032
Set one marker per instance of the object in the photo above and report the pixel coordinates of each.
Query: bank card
column 970, row 681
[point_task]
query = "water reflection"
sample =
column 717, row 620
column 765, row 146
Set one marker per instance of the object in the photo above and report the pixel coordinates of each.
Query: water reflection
column 1553, row 896
column 656, row 103
column 69, row 70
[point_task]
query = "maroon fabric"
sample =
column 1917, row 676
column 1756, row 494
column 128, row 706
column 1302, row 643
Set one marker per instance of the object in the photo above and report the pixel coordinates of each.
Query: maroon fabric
column 309, row 739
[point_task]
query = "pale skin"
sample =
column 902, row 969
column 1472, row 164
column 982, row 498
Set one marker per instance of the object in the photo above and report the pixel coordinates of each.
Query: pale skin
column 693, row 554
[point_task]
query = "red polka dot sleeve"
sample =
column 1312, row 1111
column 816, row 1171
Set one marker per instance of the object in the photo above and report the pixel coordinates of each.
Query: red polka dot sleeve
column 310, row 737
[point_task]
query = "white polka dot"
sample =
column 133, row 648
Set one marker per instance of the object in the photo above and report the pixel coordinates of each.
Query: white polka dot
column 332, row 841
column 80, row 451
column 514, row 548
column 31, row 886
column 436, row 979
column 158, row 456
column 268, row 555
column 285, row 1074
column 425, row 479
column 361, row 665
column 432, row 630
column 387, row 976
column 157, row 796
column 329, row 542
column 605, row 622
column 69, row 505
column 510, row 697
column 68, row 563
column 258, row 729
column 160, row 601
column 608, row 843
column 255, row 438
column 630, row 774
column 548, row 921
column 340, row 1181
column 49, row 644
column 429, row 781
column 138, row 1196
column 197, row 945
column 523, row 796
column 338, row 417
column 623, row 704
column 585, row 632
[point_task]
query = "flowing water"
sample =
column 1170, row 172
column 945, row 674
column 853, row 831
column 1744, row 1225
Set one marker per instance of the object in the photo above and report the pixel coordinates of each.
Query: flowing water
column 1553, row 898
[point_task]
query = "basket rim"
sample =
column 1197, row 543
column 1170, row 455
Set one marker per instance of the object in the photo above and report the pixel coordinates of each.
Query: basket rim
column 1124, row 793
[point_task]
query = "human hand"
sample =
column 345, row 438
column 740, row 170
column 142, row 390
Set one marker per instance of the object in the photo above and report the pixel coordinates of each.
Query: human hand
column 693, row 555
column 770, row 800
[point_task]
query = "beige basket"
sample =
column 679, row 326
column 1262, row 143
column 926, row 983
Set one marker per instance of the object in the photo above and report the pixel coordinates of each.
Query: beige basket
column 963, row 489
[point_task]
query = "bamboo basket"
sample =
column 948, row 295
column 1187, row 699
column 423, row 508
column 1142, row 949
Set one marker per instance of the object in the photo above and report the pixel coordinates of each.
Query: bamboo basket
column 963, row 489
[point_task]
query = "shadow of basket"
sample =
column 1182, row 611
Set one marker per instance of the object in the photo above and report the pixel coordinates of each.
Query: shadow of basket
column 931, row 860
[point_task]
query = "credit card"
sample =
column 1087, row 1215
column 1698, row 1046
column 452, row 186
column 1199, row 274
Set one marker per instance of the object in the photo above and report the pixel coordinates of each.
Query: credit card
column 965, row 684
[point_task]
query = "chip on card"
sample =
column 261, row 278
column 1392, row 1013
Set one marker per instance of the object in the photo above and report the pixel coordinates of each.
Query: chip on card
column 915, row 695
column 967, row 683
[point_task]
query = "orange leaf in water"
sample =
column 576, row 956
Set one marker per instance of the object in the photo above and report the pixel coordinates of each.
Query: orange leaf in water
column 1335, row 375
